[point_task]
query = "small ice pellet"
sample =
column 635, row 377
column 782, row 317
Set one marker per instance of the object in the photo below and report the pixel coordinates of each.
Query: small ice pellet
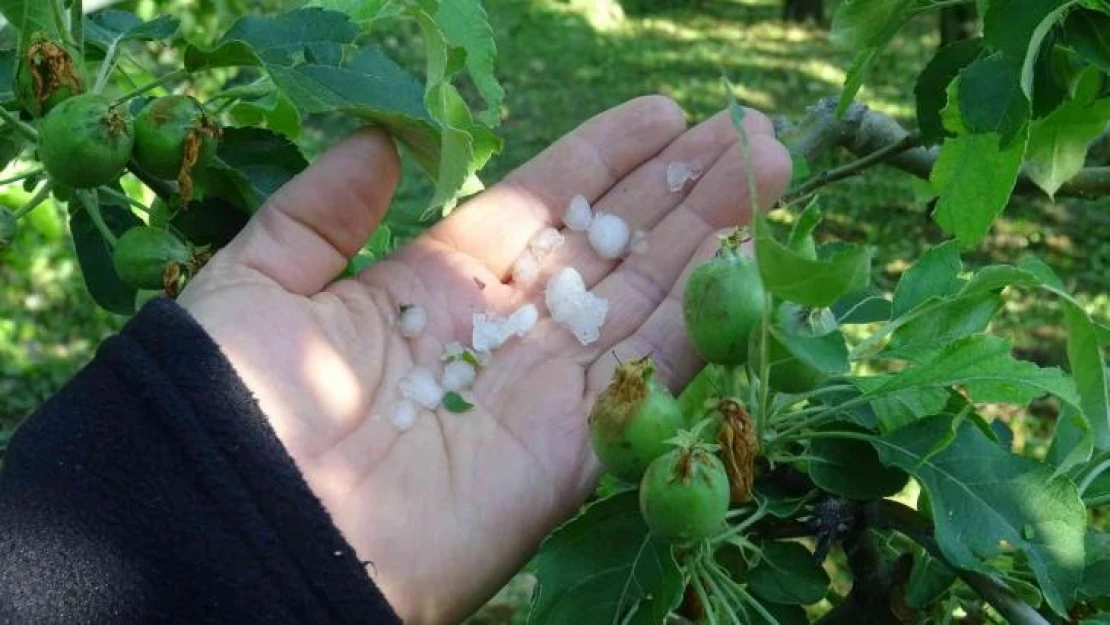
column 545, row 242
column 522, row 320
column 453, row 350
column 609, row 235
column 583, row 315
column 575, row 308
column 458, row 376
column 561, row 287
column 487, row 333
column 412, row 321
column 639, row 244
column 420, row 385
column 526, row 269
column 491, row 332
column 403, row 415
column 678, row 174
column 579, row 214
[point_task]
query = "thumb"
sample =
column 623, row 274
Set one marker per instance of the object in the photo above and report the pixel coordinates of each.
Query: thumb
column 306, row 232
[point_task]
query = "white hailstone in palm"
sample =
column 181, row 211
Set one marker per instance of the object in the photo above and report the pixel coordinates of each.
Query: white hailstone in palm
column 561, row 288
column 420, row 385
column 545, row 242
column 453, row 350
column 458, row 376
column 412, row 321
column 526, row 268
column 403, row 415
column 491, row 332
column 678, row 174
column 575, row 308
column 609, row 235
column 639, row 244
column 579, row 214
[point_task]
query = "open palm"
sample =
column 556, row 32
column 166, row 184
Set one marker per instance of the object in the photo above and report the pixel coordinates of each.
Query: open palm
column 446, row 511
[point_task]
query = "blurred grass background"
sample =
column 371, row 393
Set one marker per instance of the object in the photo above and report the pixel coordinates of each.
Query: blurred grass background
column 562, row 61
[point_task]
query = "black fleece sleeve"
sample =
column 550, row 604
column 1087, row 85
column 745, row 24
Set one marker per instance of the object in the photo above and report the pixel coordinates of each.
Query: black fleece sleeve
column 152, row 490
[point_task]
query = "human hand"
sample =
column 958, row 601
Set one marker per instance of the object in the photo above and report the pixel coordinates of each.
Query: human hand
column 448, row 510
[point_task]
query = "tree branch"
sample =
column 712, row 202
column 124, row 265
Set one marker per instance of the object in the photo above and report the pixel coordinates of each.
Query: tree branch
column 895, row 516
column 865, row 132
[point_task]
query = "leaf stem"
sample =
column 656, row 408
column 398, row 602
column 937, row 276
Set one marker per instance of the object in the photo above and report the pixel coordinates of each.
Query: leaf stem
column 58, row 11
column 154, row 84
column 827, row 177
column 740, row 527
column 943, row 4
column 77, row 26
column 763, row 418
column 699, row 588
column 38, row 198
column 20, row 126
column 258, row 88
column 123, row 197
column 708, row 573
column 89, row 202
column 756, row 605
column 23, row 176
column 106, row 67
column 1092, row 475
column 1100, row 500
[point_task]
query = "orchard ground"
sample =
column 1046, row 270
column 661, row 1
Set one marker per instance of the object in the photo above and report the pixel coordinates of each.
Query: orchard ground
column 562, row 61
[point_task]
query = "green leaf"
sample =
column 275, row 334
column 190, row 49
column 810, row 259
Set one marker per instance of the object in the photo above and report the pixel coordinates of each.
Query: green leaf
column 974, row 177
column 1086, row 362
column 358, row 10
column 1072, row 444
column 991, row 99
column 28, row 17
column 12, row 144
column 1096, row 574
column 929, row 579
column 866, row 306
column 987, row 501
column 1058, row 143
column 467, row 145
column 211, row 221
column 784, row 614
column 828, row 353
column 94, row 254
column 466, row 26
column 867, row 26
column 935, row 274
column 603, row 567
column 1088, row 33
column 982, row 365
column 931, row 89
column 851, row 468
column 252, row 164
column 1017, row 28
column 894, row 410
column 923, row 337
column 788, row 574
column 273, row 111
column 109, row 25
column 809, row 282
column 300, row 52
column 453, row 402
column 801, row 233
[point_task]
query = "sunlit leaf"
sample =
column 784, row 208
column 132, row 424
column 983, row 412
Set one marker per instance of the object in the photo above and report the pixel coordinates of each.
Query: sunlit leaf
column 986, row 502
column 974, row 177
column 603, row 567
